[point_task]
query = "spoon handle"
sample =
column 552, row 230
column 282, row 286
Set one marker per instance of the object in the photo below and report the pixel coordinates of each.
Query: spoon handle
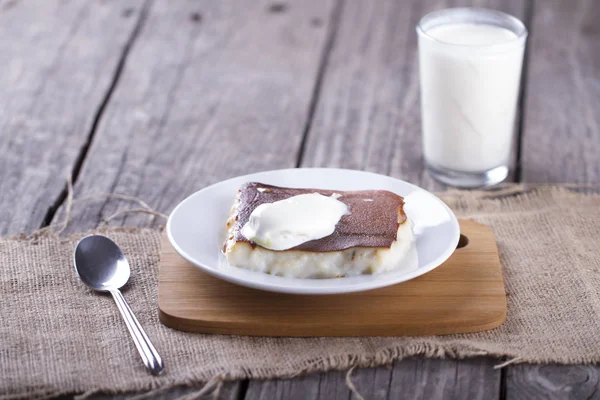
column 150, row 356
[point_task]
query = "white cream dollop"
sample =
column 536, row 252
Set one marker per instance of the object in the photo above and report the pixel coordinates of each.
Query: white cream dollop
column 288, row 223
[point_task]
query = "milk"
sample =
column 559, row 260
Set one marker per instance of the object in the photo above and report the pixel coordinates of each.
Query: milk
column 470, row 77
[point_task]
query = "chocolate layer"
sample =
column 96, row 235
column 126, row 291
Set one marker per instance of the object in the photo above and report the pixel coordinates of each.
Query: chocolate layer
column 370, row 223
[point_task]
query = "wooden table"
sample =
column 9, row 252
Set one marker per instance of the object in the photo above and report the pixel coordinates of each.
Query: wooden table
column 157, row 99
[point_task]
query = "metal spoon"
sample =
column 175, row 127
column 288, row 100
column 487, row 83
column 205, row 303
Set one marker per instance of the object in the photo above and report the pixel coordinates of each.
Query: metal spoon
column 101, row 265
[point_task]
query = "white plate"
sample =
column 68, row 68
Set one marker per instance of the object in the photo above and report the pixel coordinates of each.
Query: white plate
column 196, row 229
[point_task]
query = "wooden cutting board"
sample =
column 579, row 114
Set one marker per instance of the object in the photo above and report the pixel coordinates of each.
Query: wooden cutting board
column 465, row 294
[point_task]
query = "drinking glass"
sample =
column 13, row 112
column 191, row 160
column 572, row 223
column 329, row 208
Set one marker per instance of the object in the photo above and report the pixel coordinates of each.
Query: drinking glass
column 470, row 62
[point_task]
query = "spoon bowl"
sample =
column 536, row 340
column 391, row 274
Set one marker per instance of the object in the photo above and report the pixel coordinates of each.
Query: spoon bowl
column 101, row 264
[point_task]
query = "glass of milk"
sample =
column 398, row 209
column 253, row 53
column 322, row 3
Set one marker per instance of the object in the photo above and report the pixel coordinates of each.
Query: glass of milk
column 470, row 68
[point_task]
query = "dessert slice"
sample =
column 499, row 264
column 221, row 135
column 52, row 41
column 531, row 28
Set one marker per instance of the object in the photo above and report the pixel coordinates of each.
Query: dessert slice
column 315, row 233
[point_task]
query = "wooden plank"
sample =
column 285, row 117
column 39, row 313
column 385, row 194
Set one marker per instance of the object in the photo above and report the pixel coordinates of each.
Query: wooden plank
column 301, row 388
column 57, row 63
column 211, row 90
column 553, row 382
column 328, row 385
column 368, row 115
column 412, row 378
column 372, row 384
column 419, row 378
column 228, row 391
column 561, row 141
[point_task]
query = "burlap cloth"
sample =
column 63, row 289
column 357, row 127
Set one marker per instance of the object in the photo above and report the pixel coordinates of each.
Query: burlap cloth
column 57, row 336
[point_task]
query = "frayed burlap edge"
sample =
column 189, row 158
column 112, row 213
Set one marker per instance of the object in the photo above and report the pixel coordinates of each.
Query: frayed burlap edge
column 348, row 363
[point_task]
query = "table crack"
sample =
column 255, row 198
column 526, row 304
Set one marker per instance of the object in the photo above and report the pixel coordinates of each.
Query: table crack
column 53, row 209
column 334, row 19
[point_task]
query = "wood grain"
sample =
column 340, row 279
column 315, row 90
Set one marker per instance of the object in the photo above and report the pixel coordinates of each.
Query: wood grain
column 228, row 391
column 465, row 294
column 553, row 382
column 561, row 141
column 444, row 379
column 57, row 62
column 368, row 115
column 408, row 379
column 306, row 387
column 323, row 386
column 202, row 99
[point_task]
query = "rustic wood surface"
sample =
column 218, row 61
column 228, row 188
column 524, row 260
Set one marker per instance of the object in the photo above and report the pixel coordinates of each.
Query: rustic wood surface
column 210, row 90
column 155, row 100
column 57, row 64
column 408, row 379
column 367, row 115
column 561, row 121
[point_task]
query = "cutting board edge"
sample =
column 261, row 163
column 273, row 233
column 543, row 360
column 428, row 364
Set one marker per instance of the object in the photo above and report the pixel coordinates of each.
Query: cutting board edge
column 210, row 327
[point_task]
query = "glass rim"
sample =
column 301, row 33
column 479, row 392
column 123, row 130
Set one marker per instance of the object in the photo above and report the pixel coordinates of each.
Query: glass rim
column 521, row 28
